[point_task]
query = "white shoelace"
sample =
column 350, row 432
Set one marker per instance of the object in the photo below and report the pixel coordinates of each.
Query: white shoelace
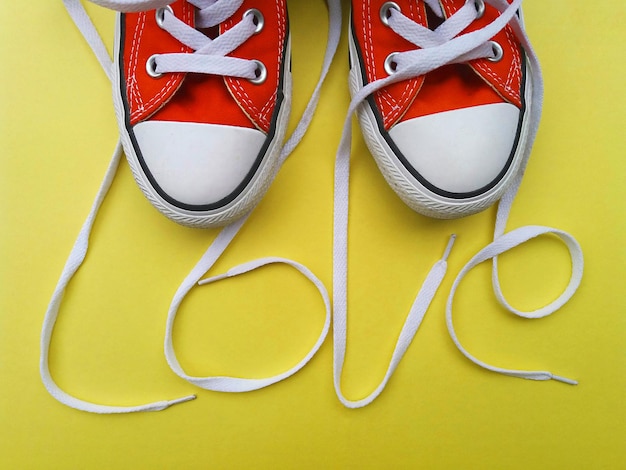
column 80, row 248
column 210, row 56
column 436, row 49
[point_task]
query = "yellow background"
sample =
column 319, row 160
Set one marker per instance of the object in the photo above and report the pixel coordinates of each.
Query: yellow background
column 57, row 131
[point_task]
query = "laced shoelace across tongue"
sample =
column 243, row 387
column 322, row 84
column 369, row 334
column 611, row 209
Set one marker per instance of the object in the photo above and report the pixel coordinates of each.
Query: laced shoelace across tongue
column 445, row 45
column 210, row 56
column 425, row 38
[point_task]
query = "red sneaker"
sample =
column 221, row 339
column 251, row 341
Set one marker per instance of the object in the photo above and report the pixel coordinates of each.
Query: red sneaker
column 450, row 132
column 202, row 93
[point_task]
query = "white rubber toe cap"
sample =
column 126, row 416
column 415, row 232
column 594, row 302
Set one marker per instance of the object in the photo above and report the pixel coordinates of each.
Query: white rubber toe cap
column 197, row 164
column 459, row 151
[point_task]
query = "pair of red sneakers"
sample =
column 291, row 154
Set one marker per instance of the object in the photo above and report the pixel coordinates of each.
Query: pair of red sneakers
column 202, row 92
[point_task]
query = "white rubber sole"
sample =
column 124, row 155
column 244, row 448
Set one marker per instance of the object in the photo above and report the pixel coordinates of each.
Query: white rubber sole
column 247, row 199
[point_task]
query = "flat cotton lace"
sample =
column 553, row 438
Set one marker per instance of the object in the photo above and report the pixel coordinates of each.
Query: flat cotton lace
column 447, row 44
column 204, row 52
column 210, row 55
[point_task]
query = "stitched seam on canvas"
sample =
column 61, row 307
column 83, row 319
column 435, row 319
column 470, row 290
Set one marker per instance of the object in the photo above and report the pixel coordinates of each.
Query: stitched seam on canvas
column 514, row 71
column 515, row 74
column 171, row 81
column 481, row 65
column 134, row 94
column 368, row 42
column 506, row 85
column 396, row 108
column 497, row 79
column 239, row 91
column 267, row 108
column 391, row 109
column 370, row 62
column 269, row 105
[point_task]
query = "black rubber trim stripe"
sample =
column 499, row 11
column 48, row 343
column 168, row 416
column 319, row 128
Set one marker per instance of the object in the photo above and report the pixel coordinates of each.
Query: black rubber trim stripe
column 403, row 159
column 257, row 162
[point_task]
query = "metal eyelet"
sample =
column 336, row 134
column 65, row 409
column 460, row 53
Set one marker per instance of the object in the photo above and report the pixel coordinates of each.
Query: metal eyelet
column 498, row 52
column 385, row 13
column 480, row 8
column 160, row 15
column 257, row 18
column 390, row 63
column 151, row 67
column 260, row 72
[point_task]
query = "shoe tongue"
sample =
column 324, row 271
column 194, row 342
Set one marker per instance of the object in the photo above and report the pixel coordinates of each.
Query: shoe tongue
column 434, row 7
column 450, row 7
column 211, row 32
column 433, row 18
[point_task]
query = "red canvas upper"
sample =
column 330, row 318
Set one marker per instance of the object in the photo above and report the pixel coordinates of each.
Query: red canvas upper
column 198, row 97
column 450, row 87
